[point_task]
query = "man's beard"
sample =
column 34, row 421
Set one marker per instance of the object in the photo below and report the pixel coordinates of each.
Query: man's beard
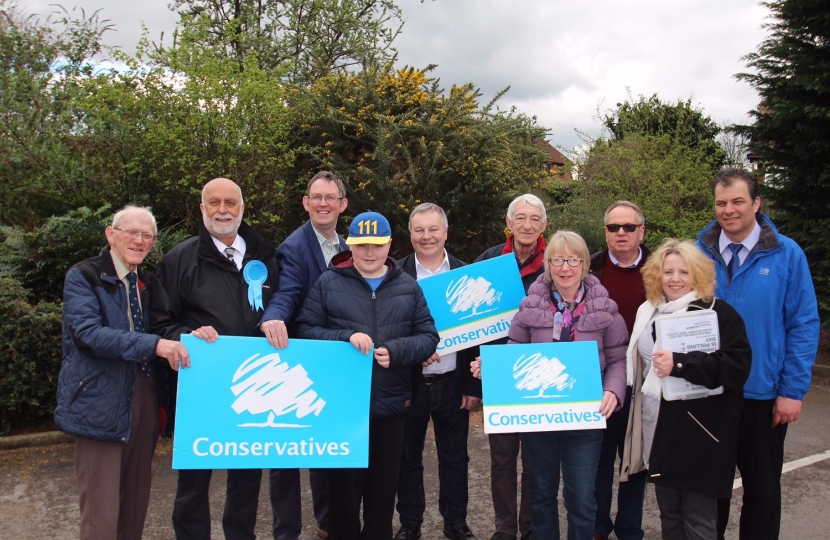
column 220, row 229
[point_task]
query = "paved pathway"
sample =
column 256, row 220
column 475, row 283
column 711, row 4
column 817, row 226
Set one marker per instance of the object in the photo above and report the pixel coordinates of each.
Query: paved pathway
column 38, row 497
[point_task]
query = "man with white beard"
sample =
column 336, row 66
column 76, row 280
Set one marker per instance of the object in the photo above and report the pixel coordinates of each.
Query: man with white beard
column 201, row 289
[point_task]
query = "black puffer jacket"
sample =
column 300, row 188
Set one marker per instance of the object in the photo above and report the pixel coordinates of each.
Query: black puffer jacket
column 197, row 286
column 396, row 316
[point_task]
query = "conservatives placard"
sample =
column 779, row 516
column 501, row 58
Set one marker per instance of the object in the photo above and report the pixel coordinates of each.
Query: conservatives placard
column 474, row 304
column 541, row 387
column 245, row 405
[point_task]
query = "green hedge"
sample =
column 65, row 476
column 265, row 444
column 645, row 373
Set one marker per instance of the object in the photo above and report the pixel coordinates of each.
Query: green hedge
column 30, row 356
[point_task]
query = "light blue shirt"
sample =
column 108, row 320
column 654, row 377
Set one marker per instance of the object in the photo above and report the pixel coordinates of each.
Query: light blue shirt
column 748, row 244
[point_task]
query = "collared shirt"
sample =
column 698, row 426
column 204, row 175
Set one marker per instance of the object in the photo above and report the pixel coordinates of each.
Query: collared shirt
column 639, row 258
column 238, row 246
column 448, row 361
column 122, row 270
column 330, row 248
column 748, row 244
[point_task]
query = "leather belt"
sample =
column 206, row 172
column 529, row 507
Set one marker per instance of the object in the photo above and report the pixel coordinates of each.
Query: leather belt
column 432, row 379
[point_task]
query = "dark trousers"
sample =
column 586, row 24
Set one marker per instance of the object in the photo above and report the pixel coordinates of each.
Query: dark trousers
column 375, row 487
column 686, row 515
column 191, row 511
column 628, row 524
column 114, row 478
column 504, row 456
column 760, row 461
column 286, row 505
column 441, row 402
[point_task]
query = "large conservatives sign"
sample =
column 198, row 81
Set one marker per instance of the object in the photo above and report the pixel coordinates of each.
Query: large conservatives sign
column 541, row 387
column 474, row 304
column 245, row 405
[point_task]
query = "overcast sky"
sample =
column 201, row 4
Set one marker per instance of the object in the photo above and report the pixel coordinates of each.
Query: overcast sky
column 562, row 59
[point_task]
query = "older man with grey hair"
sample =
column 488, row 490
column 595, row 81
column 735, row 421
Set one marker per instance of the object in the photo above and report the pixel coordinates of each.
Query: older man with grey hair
column 444, row 390
column 110, row 383
column 526, row 220
column 200, row 289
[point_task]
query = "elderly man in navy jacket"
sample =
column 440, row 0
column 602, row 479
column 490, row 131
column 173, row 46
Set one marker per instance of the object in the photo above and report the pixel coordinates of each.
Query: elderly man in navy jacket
column 109, row 385
column 302, row 258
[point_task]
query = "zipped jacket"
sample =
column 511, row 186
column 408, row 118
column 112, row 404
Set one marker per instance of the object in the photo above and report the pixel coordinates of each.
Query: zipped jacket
column 100, row 353
column 197, row 286
column 773, row 292
column 395, row 316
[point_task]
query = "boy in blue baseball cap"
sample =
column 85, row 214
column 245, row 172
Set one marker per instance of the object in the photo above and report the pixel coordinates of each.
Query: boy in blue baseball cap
column 364, row 298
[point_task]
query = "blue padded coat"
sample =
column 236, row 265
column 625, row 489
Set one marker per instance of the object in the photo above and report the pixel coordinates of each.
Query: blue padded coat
column 100, row 354
column 395, row 316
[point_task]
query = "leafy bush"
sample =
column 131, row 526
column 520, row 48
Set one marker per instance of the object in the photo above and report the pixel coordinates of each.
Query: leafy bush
column 584, row 216
column 30, row 356
column 667, row 180
column 39, row 259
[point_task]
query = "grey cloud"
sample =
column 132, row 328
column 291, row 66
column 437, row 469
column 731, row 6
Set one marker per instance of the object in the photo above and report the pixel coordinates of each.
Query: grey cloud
column 560, row 58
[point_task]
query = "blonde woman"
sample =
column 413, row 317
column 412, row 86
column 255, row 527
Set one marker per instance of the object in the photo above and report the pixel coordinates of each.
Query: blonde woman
column 688, row 446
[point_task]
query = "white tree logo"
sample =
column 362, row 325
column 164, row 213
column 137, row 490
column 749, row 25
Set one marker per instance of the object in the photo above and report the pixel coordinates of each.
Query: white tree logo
column 540, row 372
column 268, row 384
column 470, row 294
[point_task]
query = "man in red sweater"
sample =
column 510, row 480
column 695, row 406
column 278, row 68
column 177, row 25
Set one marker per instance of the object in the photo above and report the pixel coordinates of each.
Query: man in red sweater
column 618, row 269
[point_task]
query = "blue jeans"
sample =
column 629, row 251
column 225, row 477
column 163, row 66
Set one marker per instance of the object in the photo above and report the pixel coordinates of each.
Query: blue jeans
column 628, row 523
column 577, row 453
column 441, row 402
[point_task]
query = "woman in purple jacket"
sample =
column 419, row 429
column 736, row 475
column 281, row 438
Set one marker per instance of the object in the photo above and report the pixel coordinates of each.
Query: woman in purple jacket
column 566, row 304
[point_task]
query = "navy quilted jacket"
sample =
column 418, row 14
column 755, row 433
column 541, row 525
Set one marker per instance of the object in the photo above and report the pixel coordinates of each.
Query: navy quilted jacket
column 100, row 354
column 396, row 316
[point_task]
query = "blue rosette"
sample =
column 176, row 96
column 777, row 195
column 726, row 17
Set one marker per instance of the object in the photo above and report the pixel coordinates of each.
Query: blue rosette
column 255, row 274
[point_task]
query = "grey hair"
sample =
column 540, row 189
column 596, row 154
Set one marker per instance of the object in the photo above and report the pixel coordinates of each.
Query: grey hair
column 625, row 204
column 131, row 211
column 527, row 198
column 429, row 207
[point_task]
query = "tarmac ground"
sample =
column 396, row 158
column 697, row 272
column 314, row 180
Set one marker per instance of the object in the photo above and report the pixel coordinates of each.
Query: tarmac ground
column 38, row 494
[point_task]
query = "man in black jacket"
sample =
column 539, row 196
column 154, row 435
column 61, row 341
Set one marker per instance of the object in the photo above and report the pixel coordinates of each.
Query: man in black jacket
column 366, row 299
column 444, row 390
column 201, row 289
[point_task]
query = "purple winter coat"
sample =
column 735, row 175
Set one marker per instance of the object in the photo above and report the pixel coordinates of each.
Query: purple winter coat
column 599, row 322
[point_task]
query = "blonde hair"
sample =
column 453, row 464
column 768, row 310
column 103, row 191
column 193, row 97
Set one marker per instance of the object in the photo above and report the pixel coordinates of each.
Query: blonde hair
column 701, row 270
column 562, row 241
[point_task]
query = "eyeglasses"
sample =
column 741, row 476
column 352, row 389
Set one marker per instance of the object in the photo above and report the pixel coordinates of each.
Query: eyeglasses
column 573, row 262
column 628, row 227
column 317, row 199
column 137, row 235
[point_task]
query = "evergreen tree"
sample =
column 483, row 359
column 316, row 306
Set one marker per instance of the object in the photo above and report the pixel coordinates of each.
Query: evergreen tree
column 684, row 123
column 791, row 133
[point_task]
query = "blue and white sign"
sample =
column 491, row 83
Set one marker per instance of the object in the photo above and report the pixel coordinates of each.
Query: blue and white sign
column 245, row 405
column 541, row 387
column 474, row 304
